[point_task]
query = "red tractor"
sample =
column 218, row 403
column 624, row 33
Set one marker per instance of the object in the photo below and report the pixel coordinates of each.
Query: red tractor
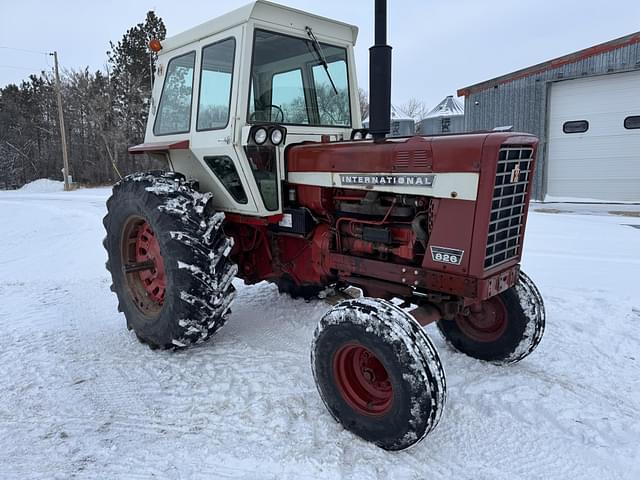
column 270, row 177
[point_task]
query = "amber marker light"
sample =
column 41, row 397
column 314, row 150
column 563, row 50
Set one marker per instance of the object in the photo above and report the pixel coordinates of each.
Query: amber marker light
column 154, row 45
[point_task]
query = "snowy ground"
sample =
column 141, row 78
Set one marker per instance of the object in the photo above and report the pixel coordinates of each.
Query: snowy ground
column 80, row 397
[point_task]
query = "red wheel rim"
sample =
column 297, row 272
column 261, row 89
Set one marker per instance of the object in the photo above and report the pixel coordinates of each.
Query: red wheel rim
column 148, row 250
column 486, row 322
column 362, row 380
column 143, row 266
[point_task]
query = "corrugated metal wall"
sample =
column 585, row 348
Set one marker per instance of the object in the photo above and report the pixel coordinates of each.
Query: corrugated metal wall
column 523, row 102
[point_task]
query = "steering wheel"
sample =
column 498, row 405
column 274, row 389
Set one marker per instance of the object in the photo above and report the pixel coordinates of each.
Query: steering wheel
column 254, row 115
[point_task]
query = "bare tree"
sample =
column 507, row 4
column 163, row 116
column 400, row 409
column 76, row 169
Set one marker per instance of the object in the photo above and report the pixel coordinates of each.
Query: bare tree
column 363, row 99
column 415, row 109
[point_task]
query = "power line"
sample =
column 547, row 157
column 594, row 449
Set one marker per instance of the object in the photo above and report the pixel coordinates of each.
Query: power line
column 27, row 69
column 30, row 69
column 24, row 50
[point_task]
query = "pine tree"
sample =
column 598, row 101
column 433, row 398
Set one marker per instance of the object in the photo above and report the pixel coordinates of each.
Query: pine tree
column 132, row 64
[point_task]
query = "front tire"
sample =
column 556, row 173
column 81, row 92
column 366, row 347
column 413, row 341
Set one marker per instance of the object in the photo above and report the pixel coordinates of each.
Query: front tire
column 168, row 259
column 378, row 373
column 503, row 329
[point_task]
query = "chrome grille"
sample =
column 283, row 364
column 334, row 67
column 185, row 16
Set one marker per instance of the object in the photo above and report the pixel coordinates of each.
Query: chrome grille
column 508, row 206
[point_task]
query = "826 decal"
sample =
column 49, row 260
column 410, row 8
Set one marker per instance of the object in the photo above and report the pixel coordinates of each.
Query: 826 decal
column 452, row 256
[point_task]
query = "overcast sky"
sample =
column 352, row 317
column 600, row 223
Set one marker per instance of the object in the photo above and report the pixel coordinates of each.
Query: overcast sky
column 438, row 46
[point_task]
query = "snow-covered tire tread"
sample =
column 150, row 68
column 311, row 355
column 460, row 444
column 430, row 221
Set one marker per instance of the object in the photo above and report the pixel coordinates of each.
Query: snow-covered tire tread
column 197, row 254
column 383, row 318
column 533, row 307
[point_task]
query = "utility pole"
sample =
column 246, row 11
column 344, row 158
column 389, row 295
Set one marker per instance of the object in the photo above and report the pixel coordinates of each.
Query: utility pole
column 65, row 155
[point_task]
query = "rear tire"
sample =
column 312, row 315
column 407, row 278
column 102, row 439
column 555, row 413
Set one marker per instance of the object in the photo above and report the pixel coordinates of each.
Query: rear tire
column 378, row 373
column 158, row 222
column 506, row 329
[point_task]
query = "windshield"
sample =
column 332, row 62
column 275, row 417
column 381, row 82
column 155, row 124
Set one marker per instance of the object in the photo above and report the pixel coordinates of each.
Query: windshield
column 290, row 85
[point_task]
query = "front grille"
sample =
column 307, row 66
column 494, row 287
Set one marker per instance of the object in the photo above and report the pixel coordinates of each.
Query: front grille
column 508, row 206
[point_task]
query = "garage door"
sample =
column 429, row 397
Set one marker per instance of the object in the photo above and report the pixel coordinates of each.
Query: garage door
column 594, row 139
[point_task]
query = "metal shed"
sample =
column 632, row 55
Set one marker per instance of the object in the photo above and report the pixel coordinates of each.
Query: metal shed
column 585, row 108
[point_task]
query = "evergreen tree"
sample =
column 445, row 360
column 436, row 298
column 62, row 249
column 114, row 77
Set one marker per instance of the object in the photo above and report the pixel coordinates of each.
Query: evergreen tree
column 132, row 66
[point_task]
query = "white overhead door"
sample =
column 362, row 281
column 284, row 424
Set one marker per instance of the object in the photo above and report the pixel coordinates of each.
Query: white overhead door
column 594, row 139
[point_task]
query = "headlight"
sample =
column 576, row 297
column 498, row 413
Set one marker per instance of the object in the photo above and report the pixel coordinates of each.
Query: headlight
column 260, row 136
column 276, row 136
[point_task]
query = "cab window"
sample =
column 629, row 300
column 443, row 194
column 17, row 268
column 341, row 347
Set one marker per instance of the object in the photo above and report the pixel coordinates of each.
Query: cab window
column 290, row 85
column 174, row 110
column 224, row 168
column 288, row 93
column 263, row 164
column 215, row 85
column 333, row 107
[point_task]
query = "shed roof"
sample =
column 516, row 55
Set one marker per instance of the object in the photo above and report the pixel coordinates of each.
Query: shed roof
column 555, row 63
column 266, row 11
column 448, row 107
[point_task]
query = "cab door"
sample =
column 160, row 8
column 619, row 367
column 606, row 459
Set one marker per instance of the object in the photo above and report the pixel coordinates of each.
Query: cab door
column 214, row 122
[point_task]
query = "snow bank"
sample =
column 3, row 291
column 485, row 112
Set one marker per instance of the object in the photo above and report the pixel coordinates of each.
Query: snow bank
column 43, row 185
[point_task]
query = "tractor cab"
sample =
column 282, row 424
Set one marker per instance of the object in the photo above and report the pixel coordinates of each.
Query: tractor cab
column 232, row 93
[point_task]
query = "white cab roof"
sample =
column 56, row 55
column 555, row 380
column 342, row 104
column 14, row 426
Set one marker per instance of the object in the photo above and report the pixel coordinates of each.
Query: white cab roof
column 263, row 11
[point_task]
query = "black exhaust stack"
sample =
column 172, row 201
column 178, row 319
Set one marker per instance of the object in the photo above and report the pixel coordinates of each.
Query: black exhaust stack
column 380, row 77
